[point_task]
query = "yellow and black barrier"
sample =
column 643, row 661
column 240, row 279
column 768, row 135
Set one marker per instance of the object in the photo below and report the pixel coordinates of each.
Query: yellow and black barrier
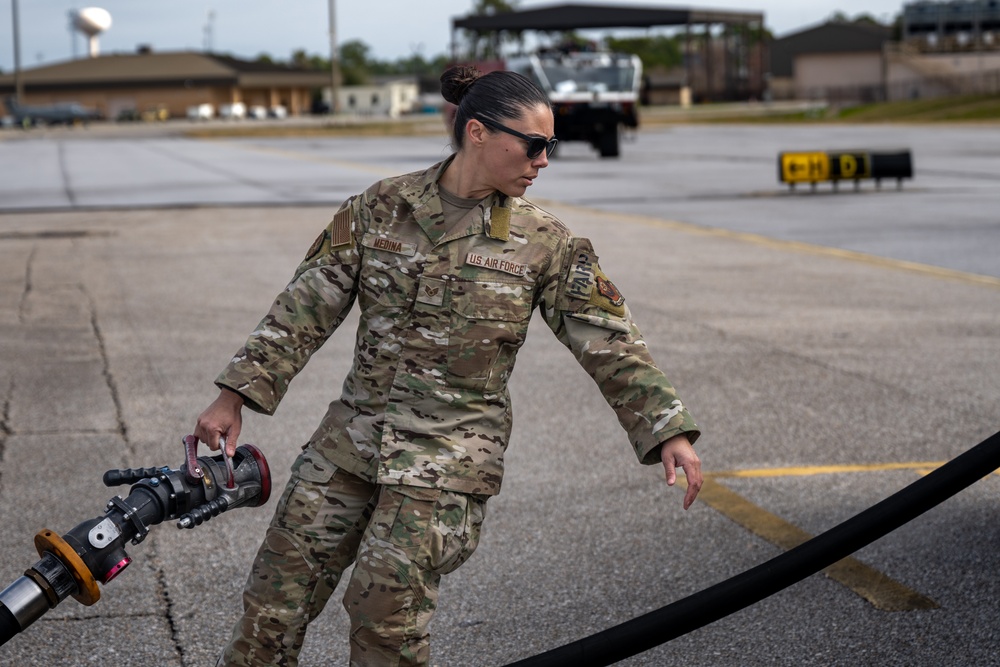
column 835, row 166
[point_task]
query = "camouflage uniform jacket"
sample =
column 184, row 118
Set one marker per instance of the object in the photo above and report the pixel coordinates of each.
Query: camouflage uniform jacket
column 443, row 314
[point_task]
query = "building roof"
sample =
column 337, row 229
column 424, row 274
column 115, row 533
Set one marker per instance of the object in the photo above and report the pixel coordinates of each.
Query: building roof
column 164, row 69
column 831, row 37
column 582, row 17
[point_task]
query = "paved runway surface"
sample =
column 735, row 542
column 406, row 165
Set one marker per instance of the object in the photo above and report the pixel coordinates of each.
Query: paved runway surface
column 720, row 176
column 837, row 346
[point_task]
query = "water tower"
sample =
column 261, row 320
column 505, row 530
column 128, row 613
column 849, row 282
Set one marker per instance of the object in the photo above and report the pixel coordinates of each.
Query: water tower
column 92, row 21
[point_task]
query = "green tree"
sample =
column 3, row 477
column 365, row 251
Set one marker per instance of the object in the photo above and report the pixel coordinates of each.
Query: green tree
column 866, row 19
column 303, row 60
column 859, row 19
column 358, row 66
column 355, row 66
column 489, row 45
column 655, row 51
column 490, row 7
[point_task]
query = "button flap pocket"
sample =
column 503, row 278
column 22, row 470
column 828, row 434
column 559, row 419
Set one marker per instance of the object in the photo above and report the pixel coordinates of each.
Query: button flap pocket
column 507, row 302
column 313, row 467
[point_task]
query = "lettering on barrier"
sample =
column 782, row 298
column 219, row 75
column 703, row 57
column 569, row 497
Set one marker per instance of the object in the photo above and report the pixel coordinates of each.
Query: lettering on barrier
column 855, row 165
column 805, row 167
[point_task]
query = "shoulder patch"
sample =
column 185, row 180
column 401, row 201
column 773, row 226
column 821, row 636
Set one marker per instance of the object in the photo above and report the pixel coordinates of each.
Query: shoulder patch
column 580, row 277
column 316, row 246
column 340, row 230
column 606, row 296
column 336, row 236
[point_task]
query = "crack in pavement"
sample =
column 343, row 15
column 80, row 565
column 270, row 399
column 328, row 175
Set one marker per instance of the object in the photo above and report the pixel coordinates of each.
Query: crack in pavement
column 22, row 306
column 5, row 428
column 163, row 592
column 109, row 377
column 63, row 169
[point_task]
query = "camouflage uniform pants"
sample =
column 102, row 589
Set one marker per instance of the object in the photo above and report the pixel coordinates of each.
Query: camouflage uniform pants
column 401, row 539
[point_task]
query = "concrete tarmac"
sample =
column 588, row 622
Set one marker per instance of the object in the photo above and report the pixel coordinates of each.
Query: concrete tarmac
column 114, row 323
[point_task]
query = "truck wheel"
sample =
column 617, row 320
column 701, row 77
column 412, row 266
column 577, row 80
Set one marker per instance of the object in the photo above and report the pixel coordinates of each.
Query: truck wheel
column 608, row 143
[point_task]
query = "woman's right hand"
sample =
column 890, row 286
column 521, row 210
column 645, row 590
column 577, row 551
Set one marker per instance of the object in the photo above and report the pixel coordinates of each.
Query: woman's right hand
column 221, row 422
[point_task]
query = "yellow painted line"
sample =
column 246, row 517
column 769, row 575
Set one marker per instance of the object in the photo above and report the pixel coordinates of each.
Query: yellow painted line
column 920, row 467
column 804, row 471
column 880, row 590
column 778, row 244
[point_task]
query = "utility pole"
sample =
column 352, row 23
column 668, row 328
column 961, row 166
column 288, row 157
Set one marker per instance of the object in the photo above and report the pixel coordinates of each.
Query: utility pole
column 334, row 65
column 18, row 83
column 209, row 33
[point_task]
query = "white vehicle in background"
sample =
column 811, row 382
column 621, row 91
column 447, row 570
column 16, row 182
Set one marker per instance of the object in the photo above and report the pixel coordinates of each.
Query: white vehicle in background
column 234, row 111
column 200, row 112
column 594, row 94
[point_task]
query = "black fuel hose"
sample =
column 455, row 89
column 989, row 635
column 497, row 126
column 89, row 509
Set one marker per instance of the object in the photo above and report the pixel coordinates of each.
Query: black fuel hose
column 727, row 597
column 8, row 625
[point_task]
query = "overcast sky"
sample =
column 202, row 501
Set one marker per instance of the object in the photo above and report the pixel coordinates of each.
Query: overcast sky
column 392, row 28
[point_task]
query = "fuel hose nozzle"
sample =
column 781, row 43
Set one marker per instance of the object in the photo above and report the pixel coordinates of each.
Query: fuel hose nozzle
column 72, row 564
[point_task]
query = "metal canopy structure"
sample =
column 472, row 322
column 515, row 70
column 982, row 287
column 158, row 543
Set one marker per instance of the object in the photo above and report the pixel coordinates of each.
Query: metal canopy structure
column 559, row 18
column 741, row 71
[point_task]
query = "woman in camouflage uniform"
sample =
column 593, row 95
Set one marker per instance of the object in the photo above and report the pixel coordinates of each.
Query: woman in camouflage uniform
column 446, row 265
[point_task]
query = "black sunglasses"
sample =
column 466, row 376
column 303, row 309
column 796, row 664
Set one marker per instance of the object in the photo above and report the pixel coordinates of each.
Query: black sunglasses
column 535, row 144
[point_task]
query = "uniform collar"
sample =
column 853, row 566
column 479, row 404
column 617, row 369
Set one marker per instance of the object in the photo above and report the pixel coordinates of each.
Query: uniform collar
column 423, row 196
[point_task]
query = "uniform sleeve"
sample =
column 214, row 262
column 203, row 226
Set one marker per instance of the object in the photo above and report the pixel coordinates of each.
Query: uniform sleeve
column 588, row 315
column 303, row 316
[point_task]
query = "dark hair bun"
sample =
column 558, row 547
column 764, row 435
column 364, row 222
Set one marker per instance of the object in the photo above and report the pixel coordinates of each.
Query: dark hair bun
column 456, row 81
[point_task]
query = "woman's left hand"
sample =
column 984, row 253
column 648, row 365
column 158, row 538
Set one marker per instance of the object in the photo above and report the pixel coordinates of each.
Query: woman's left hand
column 677, row 452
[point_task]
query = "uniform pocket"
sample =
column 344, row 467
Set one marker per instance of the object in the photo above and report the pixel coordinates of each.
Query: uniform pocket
column 454, row 535
column 305, row 494
column 387, row 280
column 438, row 530
column 313, row 467
column 488, row 324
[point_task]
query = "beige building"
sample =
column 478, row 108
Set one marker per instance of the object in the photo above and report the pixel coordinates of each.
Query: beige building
column 122, row 83
column 392, row 98
column 914, row 74
column 847, row 62
column 832, row 61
